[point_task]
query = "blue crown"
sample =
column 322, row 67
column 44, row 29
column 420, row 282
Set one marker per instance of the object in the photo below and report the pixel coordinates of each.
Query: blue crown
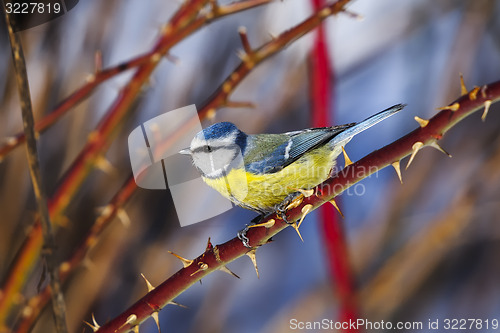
column 223, row 130
column 219, row 130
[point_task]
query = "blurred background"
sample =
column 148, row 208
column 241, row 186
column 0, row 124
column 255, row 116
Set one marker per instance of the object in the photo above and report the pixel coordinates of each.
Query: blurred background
column 424, row 249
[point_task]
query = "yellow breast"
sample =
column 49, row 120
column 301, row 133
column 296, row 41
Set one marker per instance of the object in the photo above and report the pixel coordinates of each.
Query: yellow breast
column 263, row 191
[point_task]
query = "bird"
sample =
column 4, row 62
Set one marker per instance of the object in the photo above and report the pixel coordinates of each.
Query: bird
column 260, row 171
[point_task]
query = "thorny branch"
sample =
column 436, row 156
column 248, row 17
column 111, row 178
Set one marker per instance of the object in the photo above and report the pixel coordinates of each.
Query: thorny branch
column 49, row 252
column 185, row 21
column 219, row 99
column 217, row 257
column 101, row 75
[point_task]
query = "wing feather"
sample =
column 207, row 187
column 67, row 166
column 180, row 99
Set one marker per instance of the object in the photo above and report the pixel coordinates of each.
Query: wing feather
column 295, row 145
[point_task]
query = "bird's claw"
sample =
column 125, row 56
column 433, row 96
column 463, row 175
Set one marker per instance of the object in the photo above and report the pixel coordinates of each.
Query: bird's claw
column 283, row 207
column 242, row 235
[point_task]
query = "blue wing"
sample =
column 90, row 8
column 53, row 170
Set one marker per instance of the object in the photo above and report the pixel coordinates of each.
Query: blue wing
column 276, row 151
column 294, row 147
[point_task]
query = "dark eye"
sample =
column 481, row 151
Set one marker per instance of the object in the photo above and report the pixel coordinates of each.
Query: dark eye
column 207, row 149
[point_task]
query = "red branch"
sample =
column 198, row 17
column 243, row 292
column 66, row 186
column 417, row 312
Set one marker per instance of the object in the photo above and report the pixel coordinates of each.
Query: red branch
column 100, row 76
column 336, row 251
column 176, row 30
column 219, row 99
column 98, row 142
column 218, row 256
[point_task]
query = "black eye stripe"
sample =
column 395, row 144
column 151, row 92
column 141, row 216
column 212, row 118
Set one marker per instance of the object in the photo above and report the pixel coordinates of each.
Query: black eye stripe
column 203, row 149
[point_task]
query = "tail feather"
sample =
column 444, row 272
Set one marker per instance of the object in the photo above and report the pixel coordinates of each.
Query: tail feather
column 367, row 123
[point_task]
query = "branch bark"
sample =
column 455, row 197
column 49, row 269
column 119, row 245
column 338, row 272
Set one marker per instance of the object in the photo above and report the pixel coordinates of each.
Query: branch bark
column 49, row 244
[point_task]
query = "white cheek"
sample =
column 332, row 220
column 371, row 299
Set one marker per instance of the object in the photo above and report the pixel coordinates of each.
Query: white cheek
column 197, row 143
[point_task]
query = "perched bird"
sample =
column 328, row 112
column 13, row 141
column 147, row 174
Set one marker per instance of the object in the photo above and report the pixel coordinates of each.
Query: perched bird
column 258, row 171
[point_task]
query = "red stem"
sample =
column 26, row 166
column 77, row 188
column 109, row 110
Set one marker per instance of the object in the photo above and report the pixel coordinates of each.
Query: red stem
column 336, row 252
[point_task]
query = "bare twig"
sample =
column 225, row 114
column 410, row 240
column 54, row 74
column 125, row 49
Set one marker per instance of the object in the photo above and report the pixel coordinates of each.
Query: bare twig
column 97, row 143
column 107, row 215
column 176, row 30
column 49, row 252
column 102, row 75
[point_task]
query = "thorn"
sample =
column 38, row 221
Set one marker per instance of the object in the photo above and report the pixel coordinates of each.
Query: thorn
column 242, row 55
column 166, row 29
column 217, row 254
column 483, row 91
column 150, row 286
column 123, row 217
column 11, row 141
column 211, row 113
column 105, row 211
column 156, row 57
column 27, row 312
column 397, row 166
column 233, row 104
column 416, row 147
column 305, row 210
column 209, row 245
column 421, row 122
column 95, row 322
column 214, row 6
column 103, row 164
column 473, row 93
column 64, row 267
column 88, row 264
column 227, row 87
column 246, row 58
column 336, row 207
column 305, row 193
column 267, row 224
column 295, row 203
column 98, row 61
column 173, row 59
column 296, row 227
column 325, row 12
column 228, row 271
column 178, row 304
column 90, row 78
column 95, row 326
column 253, row 257
column 353, row 15
column 487, row 105
column 154, row 315
column 434, row 144
column 185, row 262
column 132, row 319
column 272, row 35
column 454, row 107
column 244, row 40
column 202, row 267
column 346, row 158
column 463, row 88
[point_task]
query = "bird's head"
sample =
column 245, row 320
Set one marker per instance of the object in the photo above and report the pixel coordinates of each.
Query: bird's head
column 217, row 149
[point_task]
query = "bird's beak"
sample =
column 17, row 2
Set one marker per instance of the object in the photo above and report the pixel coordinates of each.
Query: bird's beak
column 186, row 151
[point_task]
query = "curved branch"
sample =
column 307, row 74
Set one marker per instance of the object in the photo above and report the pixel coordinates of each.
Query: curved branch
column 100, row 76
column 216, row 257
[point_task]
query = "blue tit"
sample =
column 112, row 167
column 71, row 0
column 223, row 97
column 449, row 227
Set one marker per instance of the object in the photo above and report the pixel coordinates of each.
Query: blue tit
column 258, row 171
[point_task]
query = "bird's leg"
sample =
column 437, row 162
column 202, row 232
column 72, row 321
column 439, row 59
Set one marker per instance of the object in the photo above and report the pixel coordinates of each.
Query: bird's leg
column 291, row 201
column 242, row 234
